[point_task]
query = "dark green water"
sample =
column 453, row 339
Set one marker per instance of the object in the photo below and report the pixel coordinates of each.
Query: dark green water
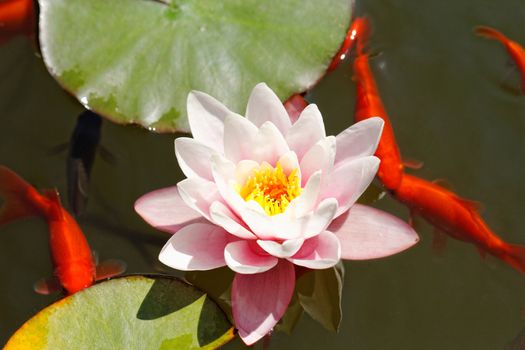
column 450, row 97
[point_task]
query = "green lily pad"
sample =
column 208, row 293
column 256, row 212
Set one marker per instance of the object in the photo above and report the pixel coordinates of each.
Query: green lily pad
column 135, row 61
column 134, row 312
column 320, row 293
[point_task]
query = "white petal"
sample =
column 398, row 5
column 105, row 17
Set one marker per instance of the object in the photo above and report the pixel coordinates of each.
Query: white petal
column 239, row 134
column 206, row 118
column 195, row 247
column 165, row 210
column 269, row 145
column 281, row 250
column 289, row 163
column 369, row 233
column 194, row 157
column 282, row 227
column 224, row 174
column 224, row 217
column 244, row 170
column 199, row 194
column 241, row 258
column 264, row 105
column 359, row 140
column 319, row 252
column 349, row 180
column 320, row 157
column 308, row 129
column 306, row 201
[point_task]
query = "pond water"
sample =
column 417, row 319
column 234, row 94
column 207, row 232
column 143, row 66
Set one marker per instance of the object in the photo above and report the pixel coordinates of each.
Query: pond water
column 454, row 102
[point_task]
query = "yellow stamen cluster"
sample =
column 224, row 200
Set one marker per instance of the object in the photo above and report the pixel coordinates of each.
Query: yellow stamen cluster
column 271, row 188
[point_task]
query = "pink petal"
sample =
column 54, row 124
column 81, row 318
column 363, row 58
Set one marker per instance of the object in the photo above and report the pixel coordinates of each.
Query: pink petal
column 359, row 140
column 320, row 157
column 259, row 301
column 245, row 257
column 199, row 194
column 194, row 158
column 269, row 145
column 369, row 233
column 206, row 118
column 319, row 252
column 224, row 217
column 239, row 134
column 349, row 180
column 264, row 105
column 308, row 129
column 195, row 247
column 165, row 210
column 281, row 250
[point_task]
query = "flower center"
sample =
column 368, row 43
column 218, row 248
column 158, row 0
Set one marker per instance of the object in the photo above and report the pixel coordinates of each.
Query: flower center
column 271, row 188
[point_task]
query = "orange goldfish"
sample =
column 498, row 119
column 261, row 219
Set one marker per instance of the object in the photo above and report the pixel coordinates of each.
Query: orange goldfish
column 369, row 104
column 457, row 217
column 515, row 50
column 70, row 252
column 16, row 18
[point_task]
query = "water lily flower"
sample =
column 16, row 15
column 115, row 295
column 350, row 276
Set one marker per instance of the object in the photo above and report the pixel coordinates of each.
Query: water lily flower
column 263, row 194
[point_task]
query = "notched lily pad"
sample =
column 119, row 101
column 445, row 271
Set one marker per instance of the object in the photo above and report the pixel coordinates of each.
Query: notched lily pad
column 134, row 312
column 135, row 61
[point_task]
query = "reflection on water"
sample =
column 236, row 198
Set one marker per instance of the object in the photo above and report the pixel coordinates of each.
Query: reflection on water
column 443, row 89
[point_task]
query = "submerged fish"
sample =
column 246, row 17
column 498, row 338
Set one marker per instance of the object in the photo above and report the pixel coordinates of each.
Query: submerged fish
column 368, row 105
column 515, row 50
column 74, row 266
column 83, row 147
column 356, row 28
column 16, row 18
column 449, row 213
column 457, row 217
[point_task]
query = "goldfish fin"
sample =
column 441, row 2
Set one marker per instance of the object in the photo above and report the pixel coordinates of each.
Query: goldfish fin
column 514, row 255
column 472, row 205
column 58, row 149
column 439, row 243
column 110, row 268
column 443, row 183
column 412, row 164
column 95, row 256
column 14, row 191
column 46, row 286
column 107, row 155
column 490, row 33
column 482, row 253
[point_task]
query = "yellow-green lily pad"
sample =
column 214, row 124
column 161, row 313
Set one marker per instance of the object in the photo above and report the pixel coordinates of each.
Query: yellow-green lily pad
column 134, row 312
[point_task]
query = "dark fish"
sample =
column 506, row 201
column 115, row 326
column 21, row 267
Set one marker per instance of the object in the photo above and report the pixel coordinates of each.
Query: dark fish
column 83, row 148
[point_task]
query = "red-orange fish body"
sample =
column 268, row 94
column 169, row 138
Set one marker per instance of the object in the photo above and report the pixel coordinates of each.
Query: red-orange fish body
column 457, row 217
column 70, row 251
column 369, row 104
column 358, row 26
column 16, row 18
column 515, row 50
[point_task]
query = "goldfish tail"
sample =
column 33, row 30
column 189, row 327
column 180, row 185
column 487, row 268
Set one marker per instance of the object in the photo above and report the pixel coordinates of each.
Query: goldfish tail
column 14, row 190
column 490, row 33
column 514, row 255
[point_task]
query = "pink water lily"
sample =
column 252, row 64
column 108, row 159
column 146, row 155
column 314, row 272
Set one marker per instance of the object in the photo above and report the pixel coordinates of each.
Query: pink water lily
column 263, row 194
